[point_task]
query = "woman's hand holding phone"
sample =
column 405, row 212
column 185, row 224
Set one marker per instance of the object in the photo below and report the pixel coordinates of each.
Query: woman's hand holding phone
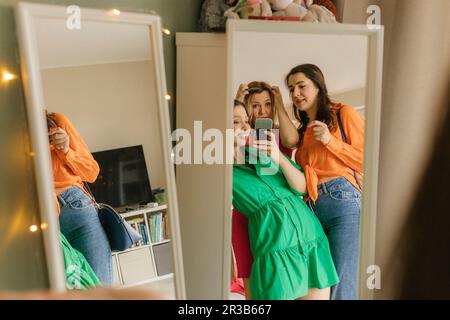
column 59, row 139
column 269, row 146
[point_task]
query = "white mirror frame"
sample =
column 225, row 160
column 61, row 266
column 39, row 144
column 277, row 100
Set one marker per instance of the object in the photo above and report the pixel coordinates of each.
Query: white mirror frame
column 375, row 36
column 26, row 13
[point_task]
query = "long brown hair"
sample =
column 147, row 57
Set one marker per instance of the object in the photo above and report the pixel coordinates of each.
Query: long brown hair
column 324, row 103
column 256, row 87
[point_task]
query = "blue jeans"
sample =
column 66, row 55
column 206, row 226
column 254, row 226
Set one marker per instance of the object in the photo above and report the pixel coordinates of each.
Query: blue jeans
column 338, row 210
column 81, row 226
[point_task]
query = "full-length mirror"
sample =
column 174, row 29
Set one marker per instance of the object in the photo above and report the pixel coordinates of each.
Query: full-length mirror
column 95, row 91
column 306, row 231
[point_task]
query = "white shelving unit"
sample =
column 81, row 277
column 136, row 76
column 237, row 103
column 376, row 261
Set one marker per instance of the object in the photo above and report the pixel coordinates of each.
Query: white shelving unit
column 147, row 265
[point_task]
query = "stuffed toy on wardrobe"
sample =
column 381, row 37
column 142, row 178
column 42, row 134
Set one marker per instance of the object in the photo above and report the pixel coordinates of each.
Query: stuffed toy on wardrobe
column 243, row 9
column 307, row 10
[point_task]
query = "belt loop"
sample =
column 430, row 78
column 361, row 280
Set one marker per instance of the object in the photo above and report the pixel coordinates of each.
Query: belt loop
column 61, row 200
column 310, row 205
column 324, row 187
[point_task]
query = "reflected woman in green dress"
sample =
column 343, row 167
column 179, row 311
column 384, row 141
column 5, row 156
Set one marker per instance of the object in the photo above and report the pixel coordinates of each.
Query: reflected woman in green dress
column 292, row 258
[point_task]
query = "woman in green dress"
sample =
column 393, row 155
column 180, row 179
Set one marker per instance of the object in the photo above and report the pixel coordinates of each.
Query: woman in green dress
column 291, row 253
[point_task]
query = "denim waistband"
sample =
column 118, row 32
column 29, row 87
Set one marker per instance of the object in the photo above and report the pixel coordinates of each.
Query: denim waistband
column 324, row 187
column 65, row 196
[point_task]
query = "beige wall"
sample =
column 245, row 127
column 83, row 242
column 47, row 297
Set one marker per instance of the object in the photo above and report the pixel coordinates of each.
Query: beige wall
column 355, row 97
column 112, row 106
column 344, row 72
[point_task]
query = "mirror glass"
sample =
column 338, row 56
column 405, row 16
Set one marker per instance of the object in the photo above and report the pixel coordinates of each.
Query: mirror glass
column 104, row 106
column 325, row 225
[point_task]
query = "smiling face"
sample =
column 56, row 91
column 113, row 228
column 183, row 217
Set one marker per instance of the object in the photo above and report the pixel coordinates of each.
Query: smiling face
column 260, row 105
column 241, row 128
column 303, row 92
column 240, row 120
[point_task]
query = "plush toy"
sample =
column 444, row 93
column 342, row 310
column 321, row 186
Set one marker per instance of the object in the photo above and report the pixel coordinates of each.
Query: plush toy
column 307, row 10
column 212, row 17
column 246, row 8
column 289, row 8
column 320, row 13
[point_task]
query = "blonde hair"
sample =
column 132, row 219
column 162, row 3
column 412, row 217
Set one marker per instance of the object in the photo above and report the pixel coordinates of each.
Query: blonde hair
column 256, row 87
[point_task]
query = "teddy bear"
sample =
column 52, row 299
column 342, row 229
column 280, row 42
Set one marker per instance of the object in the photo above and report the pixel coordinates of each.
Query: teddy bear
column 243, row 9
column 320, row 13
column 289, row 8
column 307, row 10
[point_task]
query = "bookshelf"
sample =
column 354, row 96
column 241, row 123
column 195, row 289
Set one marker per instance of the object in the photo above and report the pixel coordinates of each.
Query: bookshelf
column 149, row 261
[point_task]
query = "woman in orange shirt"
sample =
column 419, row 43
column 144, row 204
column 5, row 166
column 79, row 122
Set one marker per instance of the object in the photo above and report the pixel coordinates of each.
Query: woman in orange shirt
column 72, row 165
column 330, row 142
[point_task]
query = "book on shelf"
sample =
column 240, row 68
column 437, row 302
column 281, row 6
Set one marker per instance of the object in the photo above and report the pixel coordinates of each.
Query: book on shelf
column 138, row 223
column 157, row 226
column 166, row 227
column 143, row 233
column 161, row 229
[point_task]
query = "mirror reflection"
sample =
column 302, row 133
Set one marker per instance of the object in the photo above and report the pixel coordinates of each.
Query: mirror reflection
column 296, row 233
column 101, row 105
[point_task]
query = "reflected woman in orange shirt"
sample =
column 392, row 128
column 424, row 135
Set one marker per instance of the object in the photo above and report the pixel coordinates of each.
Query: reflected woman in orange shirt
column 330, row 142
column 73, row 164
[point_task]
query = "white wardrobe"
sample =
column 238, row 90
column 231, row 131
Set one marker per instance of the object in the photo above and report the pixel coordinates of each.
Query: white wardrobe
column 201, row 95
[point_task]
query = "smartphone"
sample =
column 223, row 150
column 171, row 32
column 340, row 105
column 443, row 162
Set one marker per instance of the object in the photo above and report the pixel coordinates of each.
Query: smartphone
column 261, row 126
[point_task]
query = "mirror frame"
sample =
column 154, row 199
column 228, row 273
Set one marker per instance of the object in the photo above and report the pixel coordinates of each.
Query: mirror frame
column 26, row 13
column 375, row 38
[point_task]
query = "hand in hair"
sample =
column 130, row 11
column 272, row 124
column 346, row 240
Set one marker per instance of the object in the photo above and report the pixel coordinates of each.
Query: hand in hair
column 320, row 131
column 242, row 92
column 277, row 97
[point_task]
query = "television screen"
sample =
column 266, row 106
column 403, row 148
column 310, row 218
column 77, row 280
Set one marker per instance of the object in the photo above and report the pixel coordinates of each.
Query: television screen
column 123, row 179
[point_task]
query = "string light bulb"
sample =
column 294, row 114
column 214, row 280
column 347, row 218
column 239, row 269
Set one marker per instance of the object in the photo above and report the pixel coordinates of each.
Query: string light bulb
column 115, row 12
column 168, row 97
column 166, row 31
column 33, row 228
column 7, row 76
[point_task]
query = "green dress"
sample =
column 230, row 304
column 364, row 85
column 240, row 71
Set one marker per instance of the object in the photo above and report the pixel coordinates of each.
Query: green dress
column 290, row 249
column 79, row 274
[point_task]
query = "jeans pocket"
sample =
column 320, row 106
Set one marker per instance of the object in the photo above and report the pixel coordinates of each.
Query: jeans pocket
column 79, row 203
column 344, row 194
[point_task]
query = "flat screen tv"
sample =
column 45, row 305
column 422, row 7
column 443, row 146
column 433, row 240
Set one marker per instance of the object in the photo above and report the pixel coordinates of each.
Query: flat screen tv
column 123, row 180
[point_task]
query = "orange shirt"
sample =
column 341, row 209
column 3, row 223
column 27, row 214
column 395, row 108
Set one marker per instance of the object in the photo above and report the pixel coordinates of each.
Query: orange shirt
column 337, row 158
column 75, row 166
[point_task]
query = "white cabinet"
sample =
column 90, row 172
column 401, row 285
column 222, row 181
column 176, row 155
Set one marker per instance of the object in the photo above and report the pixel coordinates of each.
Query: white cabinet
column 151, row 260
column 137, row 265
column 116, row 277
